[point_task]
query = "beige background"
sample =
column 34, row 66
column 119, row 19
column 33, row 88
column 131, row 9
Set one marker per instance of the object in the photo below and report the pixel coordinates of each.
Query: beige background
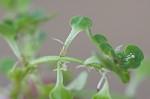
column 122, row 21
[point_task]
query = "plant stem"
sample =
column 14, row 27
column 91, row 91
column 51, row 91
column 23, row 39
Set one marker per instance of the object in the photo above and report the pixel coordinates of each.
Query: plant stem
column 58, row 58
column 15, row 90
column 59, row 74
column 89, row 33
column 13, row 45
column 15, row 48
column 68, row 41
column 55, row 59
column 17, row 83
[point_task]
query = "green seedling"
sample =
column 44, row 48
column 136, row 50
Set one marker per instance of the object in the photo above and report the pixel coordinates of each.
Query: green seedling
column 23, row 35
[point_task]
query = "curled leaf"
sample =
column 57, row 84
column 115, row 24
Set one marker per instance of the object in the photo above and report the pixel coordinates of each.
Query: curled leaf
column 134, row 56
column 81, row 22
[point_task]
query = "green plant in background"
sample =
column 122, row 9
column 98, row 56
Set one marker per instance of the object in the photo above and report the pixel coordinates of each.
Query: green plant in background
column 24, row 37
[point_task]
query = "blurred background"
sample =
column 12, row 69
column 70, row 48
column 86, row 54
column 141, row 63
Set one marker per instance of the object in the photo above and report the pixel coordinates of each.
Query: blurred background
column 121, row 21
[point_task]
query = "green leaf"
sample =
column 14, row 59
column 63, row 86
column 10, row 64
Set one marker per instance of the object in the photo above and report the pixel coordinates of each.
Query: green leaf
column 6, row 64
column 100, row 39
column 60, row 92
column 79, row 82
column 103, row 93
column 134, row 56
column 107, row 48
column 81, row 23
column 7, row 30
column 30, row 22
column 124, row 75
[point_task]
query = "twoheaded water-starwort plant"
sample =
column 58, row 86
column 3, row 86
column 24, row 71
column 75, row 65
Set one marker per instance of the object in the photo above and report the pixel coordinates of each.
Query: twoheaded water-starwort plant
column 24, row 38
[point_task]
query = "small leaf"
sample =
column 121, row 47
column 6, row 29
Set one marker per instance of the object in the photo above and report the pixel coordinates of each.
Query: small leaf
column 124, row 75
column 81, row 22
column 107, row 48
column 6, row 64
column 60, row 92
column 30, row 22
column 7, row 30
column 134, row 56
column 100, row 39
column 79, row 82
column 103, row 93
